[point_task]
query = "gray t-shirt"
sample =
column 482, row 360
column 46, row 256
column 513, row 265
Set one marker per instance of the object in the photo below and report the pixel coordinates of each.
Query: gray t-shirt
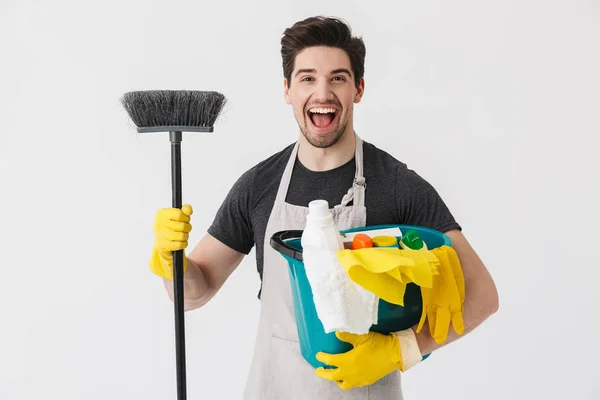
column 394, row 194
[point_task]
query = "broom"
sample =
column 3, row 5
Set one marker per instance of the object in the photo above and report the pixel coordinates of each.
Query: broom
column 175, row 111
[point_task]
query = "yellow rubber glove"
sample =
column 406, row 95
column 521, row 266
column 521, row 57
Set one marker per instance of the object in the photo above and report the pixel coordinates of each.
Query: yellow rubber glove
column 171, row 231
column 386, row 271
column 373, row 356
column 443, row 302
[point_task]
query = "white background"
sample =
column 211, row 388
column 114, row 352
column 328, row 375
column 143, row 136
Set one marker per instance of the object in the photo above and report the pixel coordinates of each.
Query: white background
column 495, row 103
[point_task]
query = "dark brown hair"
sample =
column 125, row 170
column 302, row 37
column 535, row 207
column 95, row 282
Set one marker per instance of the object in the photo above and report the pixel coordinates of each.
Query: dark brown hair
column 322, row 31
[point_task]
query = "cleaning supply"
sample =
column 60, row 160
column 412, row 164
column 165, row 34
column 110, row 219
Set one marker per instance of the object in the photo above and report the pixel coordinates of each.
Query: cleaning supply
column 386, row 271
column 391, row 317
column 175, row 111
column 320, row 230
column 362, row 241
column 171, row 230
column 385, row 241
column 443, row 303
column 412, row 241
column 373, row 356
column 341, row 304
column 385, row 230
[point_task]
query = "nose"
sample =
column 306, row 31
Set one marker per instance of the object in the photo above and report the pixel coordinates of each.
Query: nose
column 323, row 92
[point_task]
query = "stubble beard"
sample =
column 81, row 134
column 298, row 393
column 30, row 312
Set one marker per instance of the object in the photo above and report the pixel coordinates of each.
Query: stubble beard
column 323, row 142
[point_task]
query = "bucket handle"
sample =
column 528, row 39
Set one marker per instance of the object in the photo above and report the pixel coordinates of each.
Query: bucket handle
column 279, row 244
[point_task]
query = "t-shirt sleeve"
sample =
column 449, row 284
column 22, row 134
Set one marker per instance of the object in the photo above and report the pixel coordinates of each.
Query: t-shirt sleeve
column 420, row 204
column 232, row 223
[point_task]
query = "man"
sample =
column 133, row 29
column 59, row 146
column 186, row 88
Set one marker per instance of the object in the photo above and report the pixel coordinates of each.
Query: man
column 323, row 67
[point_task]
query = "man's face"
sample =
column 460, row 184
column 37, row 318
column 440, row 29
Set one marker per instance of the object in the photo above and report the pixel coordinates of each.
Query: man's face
column 322, row 93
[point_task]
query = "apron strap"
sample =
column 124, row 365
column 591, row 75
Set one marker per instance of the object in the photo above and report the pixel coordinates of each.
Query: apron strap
column 284, row 184
column 357, row 192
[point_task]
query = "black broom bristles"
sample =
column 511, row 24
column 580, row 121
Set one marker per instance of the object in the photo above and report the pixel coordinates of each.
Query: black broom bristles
column 174, row 110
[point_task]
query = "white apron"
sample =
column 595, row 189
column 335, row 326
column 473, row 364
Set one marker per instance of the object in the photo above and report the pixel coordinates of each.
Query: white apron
column 278, row 370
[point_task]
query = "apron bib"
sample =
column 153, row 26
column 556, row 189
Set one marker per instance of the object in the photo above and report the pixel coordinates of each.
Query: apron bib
column 278, row 370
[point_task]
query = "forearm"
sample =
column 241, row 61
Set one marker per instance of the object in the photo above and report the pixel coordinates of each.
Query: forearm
column 481, row 301
column 196, row 290
column 426, row 343
column 413, row 345
column 481, row 295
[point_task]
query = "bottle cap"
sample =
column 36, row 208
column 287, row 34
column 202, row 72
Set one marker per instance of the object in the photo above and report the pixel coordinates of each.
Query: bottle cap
column 318, row 208
column 384, row 241
column 412, row 240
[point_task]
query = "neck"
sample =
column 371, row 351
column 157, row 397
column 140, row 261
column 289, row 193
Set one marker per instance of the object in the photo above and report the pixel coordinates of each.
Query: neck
column 316, row 159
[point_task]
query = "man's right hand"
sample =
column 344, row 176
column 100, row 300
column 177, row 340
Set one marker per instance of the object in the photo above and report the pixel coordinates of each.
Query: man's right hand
column 171, row 231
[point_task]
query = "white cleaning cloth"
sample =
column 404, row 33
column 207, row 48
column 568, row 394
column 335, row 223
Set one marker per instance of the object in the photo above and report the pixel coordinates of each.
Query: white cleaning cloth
column 341, row 304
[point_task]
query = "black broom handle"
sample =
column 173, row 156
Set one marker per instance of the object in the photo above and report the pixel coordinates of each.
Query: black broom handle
column 175, row 138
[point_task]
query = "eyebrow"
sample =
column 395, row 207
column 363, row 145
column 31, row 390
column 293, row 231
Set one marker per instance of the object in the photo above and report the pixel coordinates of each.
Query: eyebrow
column 312, row 71
column 341, row 71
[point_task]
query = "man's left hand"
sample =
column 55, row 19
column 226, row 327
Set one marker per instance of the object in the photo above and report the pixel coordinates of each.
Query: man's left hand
column 374, row 356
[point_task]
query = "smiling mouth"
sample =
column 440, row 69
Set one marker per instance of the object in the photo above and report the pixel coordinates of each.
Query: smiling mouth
column 322, row 117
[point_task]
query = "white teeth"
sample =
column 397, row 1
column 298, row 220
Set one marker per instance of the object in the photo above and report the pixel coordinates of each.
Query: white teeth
column 322, row 110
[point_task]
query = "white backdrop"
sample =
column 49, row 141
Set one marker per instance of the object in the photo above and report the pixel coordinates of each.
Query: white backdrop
column 495, row 103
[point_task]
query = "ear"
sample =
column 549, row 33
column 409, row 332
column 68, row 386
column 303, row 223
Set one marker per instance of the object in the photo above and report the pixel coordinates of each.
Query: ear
column 360, row 90
column 286, row 92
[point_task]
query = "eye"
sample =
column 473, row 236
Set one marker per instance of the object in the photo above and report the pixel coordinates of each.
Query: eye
column 339, row 78
column 306, row 79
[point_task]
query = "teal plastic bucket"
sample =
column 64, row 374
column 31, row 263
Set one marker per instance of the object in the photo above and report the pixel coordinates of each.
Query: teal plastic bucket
column 390, row 317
